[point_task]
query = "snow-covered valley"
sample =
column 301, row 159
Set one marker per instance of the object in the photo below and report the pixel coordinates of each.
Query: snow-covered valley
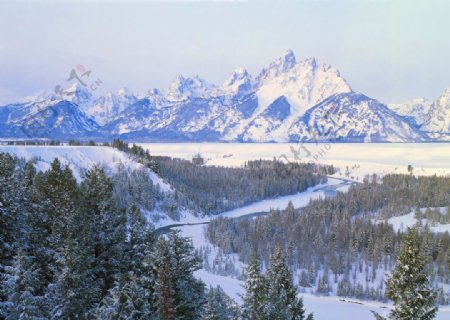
column 354, row 162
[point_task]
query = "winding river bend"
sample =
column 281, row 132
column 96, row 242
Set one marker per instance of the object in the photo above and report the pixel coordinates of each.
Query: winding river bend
column 328, row 189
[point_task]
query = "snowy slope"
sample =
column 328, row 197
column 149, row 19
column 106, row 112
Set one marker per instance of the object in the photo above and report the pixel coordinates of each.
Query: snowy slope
column 402, row 223
column 438, row 116
column 415, row 109
column 106, row 108
column 353, row 117
column 79, row 159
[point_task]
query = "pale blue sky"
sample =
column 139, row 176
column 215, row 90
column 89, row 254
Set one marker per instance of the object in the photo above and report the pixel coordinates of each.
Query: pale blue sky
column 389, row 50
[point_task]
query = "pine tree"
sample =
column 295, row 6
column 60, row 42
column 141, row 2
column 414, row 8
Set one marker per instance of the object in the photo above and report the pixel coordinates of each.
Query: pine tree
column 255, row 295
column 281, row 292
column 9, row 208
column 107, row 227
column 25, row 281
column 22, row 285
column 408, row 286
column 77, row 289
column 140, row 241
column 220, row 306
column 181, row 295
column 127, row 299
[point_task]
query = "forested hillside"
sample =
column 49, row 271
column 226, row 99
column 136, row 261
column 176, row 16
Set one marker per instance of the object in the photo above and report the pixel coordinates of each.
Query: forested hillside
column 69, row 251
column 217, row 189
column 206, row 190
column 339, row 245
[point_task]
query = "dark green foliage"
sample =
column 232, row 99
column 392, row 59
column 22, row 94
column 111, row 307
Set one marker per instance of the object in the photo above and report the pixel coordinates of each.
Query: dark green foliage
column 254, row 299
column 68, row 252
column 282, row 301
column 273, row 295
column 212, row 190
column 220, row 306
column 409, row 286
column 339, row 234
column 181, row 295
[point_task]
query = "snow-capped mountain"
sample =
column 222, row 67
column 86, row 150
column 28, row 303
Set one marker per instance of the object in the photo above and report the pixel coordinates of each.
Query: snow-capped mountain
column 294, row 87
column 238, row 83
column 109, row 106
column 56, row 119
column 415, row 109
column 78, row 95
column 353, row 117
column 287, row 101
column 438, row 116
column 182, row 88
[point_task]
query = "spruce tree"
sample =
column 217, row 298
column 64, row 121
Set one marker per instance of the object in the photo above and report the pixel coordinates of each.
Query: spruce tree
column 107, row 227
column 180, row 294
column 282, row 301
column 140, row 240
column 254, row 298
column 77, row 288
column 9, row 208
column 21, row 285
column 220, row 306
column 409, row 287
column 127, row 299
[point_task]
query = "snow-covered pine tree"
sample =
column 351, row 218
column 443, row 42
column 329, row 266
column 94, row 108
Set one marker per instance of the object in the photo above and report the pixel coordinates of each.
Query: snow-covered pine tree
column 8, row 207
column 77, row 288
column 128, row 299
column 282, row 301
column 180, row 295
column 220, row 306
column 409, row 287
column 189, row 291
column 254, row 298
column 21, row 285
column 140, row 241
column 107, row 231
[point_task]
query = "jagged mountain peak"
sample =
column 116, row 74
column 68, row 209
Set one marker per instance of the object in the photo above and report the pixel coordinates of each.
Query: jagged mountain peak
column 237, row 74
column 285, row 62
column 76, row 87
column 438, row 116
column 444, row 99
column 183, row 88
column 304, row 84
column 279, row 66
column 239, row 82
column 124, row 91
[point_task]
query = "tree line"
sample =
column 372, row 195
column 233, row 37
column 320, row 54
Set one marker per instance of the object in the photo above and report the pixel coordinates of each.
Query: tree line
column 338, row 245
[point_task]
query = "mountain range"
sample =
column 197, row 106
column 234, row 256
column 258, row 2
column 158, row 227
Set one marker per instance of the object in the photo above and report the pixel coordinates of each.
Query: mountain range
column 289, row 101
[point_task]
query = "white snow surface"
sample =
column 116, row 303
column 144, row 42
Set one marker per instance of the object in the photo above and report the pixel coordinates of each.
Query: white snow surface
column 360, row 158
column 79, row 159
column 402, row 223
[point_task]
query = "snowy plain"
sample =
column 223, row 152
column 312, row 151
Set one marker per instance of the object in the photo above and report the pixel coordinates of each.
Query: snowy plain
column 353, row 159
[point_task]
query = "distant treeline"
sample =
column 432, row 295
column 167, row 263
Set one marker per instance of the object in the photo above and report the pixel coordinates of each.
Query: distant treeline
column 211, row 189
